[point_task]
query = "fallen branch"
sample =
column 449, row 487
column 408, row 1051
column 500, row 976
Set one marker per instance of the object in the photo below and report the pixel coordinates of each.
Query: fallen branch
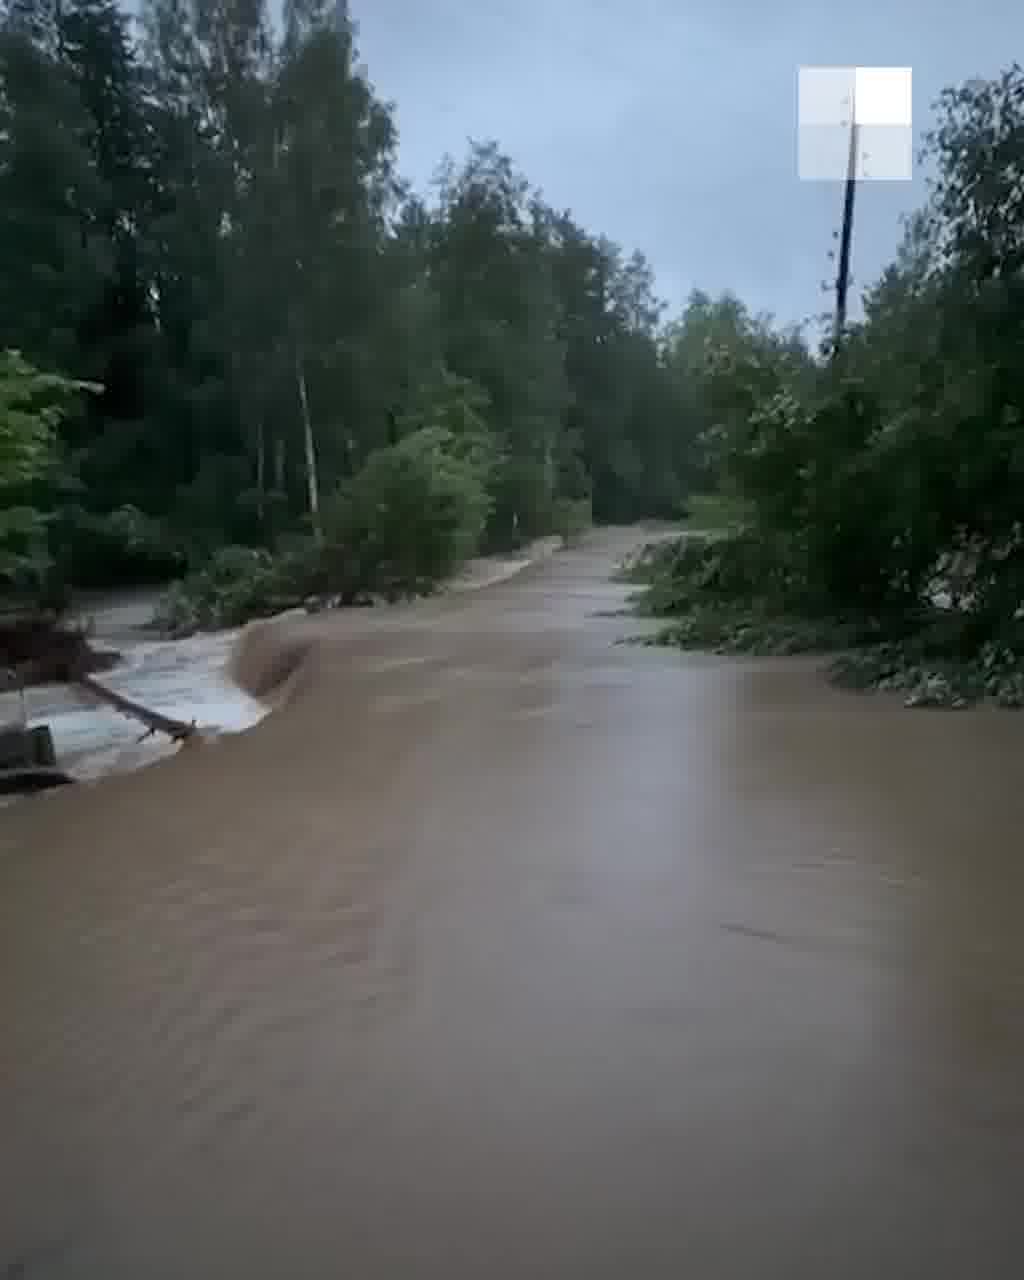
column 176, row 730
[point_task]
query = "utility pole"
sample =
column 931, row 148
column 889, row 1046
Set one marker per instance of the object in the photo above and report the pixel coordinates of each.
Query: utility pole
column 843, row 279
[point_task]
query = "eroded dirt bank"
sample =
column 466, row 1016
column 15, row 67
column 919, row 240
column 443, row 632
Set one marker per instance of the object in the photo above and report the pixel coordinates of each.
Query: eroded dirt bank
column 508, row 951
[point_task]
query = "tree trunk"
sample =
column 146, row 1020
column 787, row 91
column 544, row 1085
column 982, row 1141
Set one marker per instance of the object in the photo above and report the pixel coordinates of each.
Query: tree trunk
column 309, row 446
column 261, row 471
column 279, row 468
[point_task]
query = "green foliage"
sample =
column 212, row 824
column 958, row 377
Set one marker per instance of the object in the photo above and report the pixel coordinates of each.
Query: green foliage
column 207, row 221
column 405, row 521
column 739, row 569
column 715, row 513
column 926, row 678
column 27, row 425
column 730, row 594
column 124, row 545
column 458, row 408
column 32, row 404
column 883, row 488
column 215, row 505
column 408, row 518
column 740, row 630
column 238, row 584
column 875, row 470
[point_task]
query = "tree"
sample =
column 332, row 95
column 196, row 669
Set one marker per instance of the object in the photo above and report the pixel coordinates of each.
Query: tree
column 51, row 252
column 499, row 320
column 332, row 188
column 32, row 404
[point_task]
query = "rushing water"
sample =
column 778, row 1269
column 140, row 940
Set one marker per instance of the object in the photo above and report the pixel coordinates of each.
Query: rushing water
column 507, row 951
column 184, row 679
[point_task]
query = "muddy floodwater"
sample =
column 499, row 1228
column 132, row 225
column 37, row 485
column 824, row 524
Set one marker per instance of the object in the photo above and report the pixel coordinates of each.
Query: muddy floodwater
column 507, row 951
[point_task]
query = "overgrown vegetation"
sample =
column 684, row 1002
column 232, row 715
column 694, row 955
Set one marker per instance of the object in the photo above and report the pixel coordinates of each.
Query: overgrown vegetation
column 32, row 405
column 715, row 513
column 882, row 483
column 200, row 214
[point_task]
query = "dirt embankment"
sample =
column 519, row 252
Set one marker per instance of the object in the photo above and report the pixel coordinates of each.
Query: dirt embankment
column 39, row 649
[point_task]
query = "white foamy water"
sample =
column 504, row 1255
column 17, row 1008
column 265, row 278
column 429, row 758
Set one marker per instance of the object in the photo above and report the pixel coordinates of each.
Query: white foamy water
column 184, row 679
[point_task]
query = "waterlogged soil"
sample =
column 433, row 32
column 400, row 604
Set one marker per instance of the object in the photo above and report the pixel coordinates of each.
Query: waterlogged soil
column 504, row 949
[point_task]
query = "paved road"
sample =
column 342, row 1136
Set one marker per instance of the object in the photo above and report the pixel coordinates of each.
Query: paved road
column 507, row 951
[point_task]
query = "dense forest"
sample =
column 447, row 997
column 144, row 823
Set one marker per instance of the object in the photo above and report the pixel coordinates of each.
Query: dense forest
column 267, row 341
column 235, row 346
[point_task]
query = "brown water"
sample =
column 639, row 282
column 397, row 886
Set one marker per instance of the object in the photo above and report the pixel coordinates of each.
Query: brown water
column 505, row 951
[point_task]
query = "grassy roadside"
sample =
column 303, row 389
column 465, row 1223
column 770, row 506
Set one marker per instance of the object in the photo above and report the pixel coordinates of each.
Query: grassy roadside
column 713, row 588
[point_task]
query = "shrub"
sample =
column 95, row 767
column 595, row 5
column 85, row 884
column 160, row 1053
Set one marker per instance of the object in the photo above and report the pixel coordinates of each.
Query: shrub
column 239, row 583
column 408, row 519
column 405, row 521
column 680, row 573
column 32, row 405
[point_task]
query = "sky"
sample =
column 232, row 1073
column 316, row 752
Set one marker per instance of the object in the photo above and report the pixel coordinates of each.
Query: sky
column 670, row 125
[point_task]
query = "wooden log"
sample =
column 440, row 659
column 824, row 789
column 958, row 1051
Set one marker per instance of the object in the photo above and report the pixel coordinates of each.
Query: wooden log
column 176, row 730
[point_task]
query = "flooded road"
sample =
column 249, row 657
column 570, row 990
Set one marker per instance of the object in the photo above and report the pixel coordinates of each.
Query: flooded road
column 506, row 951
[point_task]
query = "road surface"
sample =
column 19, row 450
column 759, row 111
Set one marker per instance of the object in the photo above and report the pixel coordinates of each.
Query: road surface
column 509, row 951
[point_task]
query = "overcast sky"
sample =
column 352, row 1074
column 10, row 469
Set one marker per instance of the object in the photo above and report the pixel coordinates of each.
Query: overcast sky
column 670, row 125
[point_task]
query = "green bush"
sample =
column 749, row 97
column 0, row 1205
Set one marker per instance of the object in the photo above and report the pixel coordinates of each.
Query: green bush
column 404, row 522
column 407, row 520
column 238, row 584
column 714, row 513
column 746, row 567
column 523, row 506
column 32, row 406
column 300, row 567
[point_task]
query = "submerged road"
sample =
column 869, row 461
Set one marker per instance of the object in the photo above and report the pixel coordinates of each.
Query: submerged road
column 507, row 951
